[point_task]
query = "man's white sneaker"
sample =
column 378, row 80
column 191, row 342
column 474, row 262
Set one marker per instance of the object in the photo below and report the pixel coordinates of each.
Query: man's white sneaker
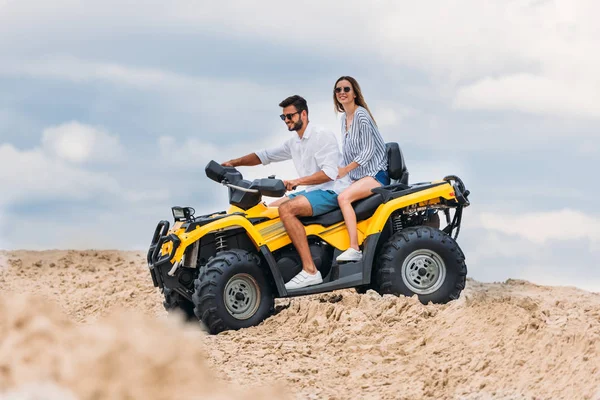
column 350, row 255
column 304, row 279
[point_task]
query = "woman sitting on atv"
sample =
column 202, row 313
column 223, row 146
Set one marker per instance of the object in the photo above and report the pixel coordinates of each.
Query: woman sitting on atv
column 364, row 156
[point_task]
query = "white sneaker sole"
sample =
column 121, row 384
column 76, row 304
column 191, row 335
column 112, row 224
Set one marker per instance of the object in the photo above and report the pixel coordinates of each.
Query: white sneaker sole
column 344, row 259
column 307, row 284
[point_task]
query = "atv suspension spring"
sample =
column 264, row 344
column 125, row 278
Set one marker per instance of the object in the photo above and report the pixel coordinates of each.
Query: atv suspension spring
column 397, row 222
column 220, row 242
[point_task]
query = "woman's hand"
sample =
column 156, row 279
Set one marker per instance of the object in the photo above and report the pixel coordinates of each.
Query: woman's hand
column 342, row 172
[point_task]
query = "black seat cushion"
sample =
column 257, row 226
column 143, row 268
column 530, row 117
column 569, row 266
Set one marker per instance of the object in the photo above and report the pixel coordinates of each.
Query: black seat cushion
column 363, row 208
column 396, row 167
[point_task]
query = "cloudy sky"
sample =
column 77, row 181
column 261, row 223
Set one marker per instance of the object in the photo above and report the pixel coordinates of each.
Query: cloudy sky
column 109, row 111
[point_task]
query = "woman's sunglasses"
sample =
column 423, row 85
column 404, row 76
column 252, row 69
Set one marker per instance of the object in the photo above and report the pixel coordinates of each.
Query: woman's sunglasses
column 339, row 89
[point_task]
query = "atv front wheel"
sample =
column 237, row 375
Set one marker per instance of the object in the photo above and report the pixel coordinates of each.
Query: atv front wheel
column 422, row 261
column 232, row 292
column 175, row 302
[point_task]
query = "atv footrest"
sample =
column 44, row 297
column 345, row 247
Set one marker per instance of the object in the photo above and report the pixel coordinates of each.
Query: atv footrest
column 342, row 283
column 350, row 268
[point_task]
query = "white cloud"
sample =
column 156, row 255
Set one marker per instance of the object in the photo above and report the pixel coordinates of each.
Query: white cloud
column 538, row 57
column 77, row 70
column 199, row 152
column 535, row 57
column 4, row 243
column 554, row 43
column 533, row 94
column 102, row 228
column 56, row 170
column 200, row 97
column 54, row 174
column 541, row 227
column 495, row 256
column 78, row 143
column 589, row 147
column 420, row 171
column 31, row 175
column 68, row 68
column 530, row 56
column 389, row 116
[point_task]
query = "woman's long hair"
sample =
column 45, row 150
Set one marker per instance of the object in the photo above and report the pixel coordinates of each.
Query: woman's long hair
column 359, row 100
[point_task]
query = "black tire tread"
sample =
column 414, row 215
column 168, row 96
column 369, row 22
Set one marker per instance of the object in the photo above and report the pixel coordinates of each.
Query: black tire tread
column 174, row 301
column 386, row 270
column 205, row 297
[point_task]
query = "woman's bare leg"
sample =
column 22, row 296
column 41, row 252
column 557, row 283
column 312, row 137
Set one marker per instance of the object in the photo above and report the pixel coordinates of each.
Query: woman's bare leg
column 358, row 190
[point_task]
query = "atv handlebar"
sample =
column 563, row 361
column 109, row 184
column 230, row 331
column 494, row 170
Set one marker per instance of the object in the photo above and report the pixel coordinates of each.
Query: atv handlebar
column 229, row 185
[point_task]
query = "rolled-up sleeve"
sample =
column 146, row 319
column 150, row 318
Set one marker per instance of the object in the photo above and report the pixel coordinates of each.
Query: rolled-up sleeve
column 328, row 155
column 366, row 139
column 275, row 154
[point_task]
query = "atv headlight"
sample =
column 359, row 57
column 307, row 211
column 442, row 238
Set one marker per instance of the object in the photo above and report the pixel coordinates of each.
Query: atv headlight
column 182, row 213
column 178, row 213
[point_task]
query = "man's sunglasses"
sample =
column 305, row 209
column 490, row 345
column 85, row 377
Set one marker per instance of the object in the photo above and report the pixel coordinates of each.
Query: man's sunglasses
column 339, row 89
column 288, row 116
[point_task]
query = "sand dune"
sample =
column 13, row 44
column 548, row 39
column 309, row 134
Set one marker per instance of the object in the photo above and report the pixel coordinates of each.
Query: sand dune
column 96, row 329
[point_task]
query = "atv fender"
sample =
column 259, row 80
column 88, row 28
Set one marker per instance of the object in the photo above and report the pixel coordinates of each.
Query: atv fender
column 422, row 198
column 234, row 221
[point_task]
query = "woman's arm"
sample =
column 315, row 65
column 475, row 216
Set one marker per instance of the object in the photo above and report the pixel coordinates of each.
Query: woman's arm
column 343, row 171
column 366, row 139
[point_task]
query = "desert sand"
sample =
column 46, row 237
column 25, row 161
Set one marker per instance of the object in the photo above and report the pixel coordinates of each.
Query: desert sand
column 90, row 325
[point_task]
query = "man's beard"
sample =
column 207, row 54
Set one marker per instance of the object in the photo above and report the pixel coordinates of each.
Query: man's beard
column 297, row 126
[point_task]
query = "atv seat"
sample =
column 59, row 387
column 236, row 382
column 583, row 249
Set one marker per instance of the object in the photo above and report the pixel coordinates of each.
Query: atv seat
column 397, row 170
column 365, row 208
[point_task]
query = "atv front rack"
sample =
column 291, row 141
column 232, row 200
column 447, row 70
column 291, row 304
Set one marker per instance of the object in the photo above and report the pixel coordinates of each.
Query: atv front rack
column 154, row 258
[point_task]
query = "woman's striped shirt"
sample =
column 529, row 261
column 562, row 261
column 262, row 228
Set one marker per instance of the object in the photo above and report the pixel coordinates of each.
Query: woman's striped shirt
column 363, row 144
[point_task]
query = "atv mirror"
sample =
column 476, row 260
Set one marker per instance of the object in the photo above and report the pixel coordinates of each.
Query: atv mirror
column 269, row 187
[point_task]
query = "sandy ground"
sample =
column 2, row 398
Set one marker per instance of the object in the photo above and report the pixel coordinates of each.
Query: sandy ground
column 90, row 325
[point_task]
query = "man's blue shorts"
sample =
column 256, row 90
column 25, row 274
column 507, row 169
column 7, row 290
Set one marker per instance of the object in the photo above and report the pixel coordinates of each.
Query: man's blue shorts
column 321, row 201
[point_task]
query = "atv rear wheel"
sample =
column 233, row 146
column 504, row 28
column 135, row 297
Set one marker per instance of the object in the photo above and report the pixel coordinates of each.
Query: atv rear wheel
column 232, row 292
column 174, row 302
column 422, row 261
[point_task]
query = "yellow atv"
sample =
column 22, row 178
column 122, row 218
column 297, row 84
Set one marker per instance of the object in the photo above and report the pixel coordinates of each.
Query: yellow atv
column 227, row 268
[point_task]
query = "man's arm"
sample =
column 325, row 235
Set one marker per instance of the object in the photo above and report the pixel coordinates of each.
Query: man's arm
column 314, row 179
column 327, row 157
column 280, row 153
column 248, row 160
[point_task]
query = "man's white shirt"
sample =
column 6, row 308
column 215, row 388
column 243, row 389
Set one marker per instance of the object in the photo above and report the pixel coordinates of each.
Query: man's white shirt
column 318, row 150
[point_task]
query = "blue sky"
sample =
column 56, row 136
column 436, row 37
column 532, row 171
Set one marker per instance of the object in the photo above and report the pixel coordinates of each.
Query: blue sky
column 110, row 111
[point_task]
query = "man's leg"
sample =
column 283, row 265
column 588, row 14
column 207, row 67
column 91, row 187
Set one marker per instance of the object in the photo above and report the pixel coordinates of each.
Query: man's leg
column 289, row 212
column 279, row 202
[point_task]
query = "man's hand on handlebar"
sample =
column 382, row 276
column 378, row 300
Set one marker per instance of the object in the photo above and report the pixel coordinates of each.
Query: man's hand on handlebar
column 291, row 185
column 227, row 164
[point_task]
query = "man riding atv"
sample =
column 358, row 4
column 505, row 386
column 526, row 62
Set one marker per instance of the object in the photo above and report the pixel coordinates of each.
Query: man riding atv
column 316, row 156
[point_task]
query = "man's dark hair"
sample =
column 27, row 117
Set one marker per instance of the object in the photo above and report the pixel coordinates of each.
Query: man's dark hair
column 296, row 101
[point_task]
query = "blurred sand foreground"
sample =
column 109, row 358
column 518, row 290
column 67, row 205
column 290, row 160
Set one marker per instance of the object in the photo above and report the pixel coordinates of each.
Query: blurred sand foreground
column 96, row 329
